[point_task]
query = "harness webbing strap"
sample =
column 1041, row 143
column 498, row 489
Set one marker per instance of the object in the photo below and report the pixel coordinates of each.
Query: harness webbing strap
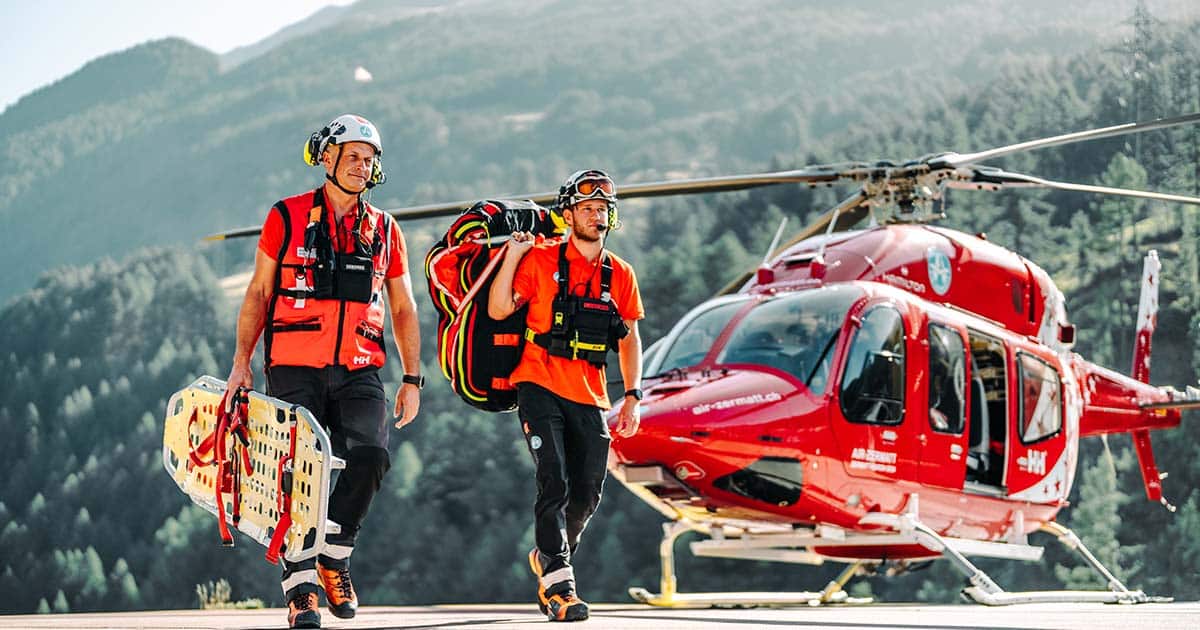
column 563, row 338
column 231, row 420
column 564, row 274
column 283, row 501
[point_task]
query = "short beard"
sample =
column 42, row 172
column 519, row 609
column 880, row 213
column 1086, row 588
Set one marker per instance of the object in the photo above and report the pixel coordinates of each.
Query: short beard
column 583, row 236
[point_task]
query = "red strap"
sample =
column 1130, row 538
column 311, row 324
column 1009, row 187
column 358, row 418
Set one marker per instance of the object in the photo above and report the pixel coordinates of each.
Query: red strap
column 281, row 529
column 196, row 452
column 222, row 480
column 227, row 475
column 283, row 501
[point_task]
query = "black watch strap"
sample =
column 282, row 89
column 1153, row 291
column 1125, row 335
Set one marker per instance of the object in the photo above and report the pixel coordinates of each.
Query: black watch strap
column 636, row 393
column 418, row 380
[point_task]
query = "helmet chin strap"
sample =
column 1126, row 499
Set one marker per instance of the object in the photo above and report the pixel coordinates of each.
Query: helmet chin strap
column 333, row 177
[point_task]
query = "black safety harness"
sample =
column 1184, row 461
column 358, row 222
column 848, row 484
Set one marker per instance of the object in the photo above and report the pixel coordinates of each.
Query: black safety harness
column 330, row 274
column 582, row 327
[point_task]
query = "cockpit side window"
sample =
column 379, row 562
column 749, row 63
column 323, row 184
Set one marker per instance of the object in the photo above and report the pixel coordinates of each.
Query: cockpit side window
column 872, row 389
column 694, row 341
column 947, row 380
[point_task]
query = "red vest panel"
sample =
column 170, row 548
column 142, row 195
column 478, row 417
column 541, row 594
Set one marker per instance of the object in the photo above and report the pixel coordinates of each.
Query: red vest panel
column 321, row 332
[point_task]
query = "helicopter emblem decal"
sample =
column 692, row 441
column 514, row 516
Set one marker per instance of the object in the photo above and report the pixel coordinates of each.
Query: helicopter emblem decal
column 940, row 273
column 1034, row 462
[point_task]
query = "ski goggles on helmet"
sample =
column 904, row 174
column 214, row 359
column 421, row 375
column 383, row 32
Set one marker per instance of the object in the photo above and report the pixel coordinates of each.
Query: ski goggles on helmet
column 595, row 188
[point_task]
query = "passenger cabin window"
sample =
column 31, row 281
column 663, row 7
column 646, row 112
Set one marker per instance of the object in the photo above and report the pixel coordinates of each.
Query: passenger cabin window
column 697, row 338
column 794, row 333
column 873, row 383
column 1041, row 399
column 947, row 380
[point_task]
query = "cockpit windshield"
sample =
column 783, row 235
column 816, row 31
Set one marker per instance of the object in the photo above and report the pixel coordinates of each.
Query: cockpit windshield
column 794, row 333
column 697, row 335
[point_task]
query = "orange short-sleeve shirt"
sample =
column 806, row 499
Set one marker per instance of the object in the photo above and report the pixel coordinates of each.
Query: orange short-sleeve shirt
column 271, row 238
column 575, row 380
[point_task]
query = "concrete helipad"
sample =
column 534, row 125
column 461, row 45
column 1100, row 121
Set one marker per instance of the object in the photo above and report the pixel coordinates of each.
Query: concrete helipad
column 611, row 616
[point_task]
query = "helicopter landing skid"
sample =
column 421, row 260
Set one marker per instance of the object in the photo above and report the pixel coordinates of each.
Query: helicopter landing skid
column 1117, row 593
column 667, row 597
column 983, row 590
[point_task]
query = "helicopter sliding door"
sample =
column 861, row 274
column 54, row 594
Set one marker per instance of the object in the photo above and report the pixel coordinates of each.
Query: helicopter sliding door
column 872, row 399
column 943, row 440
column 987, row 444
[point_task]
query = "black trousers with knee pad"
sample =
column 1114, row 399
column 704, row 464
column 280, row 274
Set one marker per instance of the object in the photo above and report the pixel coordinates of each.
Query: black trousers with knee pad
column 569, row 444
column 351, row 405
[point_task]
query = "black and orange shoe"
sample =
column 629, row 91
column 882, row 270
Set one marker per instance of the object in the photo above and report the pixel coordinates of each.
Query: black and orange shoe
column 535, row 564
column 302, row 611
column 339, row 591
column 566, row 607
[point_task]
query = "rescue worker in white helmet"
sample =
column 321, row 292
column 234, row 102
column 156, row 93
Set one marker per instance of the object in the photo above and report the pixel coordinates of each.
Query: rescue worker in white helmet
column 329, row 266
column 583, row 302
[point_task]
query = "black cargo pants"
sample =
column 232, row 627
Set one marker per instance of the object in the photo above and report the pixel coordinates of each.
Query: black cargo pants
column 569, row 444
column 352, row 407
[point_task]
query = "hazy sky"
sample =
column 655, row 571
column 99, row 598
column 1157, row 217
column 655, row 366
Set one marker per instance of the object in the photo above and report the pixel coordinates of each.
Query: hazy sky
column 45, row 40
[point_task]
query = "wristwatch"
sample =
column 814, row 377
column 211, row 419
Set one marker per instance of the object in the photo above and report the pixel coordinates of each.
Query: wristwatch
column 418, row 380
column 636, row 393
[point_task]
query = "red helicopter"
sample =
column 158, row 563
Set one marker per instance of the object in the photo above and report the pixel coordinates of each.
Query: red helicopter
column 893, row 394
column 898, row 393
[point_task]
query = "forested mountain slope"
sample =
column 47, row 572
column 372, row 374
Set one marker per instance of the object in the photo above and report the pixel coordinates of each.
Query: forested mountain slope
column 154, row 146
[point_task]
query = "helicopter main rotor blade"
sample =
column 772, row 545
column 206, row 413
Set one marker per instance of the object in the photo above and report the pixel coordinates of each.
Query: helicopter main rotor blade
column 819, row 174
column 957, row 159
column 235, row 233
column 986, row 178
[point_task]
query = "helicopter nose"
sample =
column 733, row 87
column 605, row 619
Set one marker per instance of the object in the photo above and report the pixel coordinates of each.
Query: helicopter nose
column 663, row 429
column 735, row 439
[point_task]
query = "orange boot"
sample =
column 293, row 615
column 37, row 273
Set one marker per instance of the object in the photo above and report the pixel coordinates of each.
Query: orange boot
column 535, row 564
column 559, row 607
column 566, row 607
column 339, row 591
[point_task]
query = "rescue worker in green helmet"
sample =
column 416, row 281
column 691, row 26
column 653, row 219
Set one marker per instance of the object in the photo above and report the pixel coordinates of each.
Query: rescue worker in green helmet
column 583, row 302
column 329, row 268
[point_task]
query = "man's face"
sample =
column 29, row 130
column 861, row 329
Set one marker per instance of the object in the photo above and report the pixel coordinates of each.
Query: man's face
column 584, row 216
column 354, row 167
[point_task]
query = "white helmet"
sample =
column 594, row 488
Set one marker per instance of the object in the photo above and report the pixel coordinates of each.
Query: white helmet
column 340, row 130
column 586, row 184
